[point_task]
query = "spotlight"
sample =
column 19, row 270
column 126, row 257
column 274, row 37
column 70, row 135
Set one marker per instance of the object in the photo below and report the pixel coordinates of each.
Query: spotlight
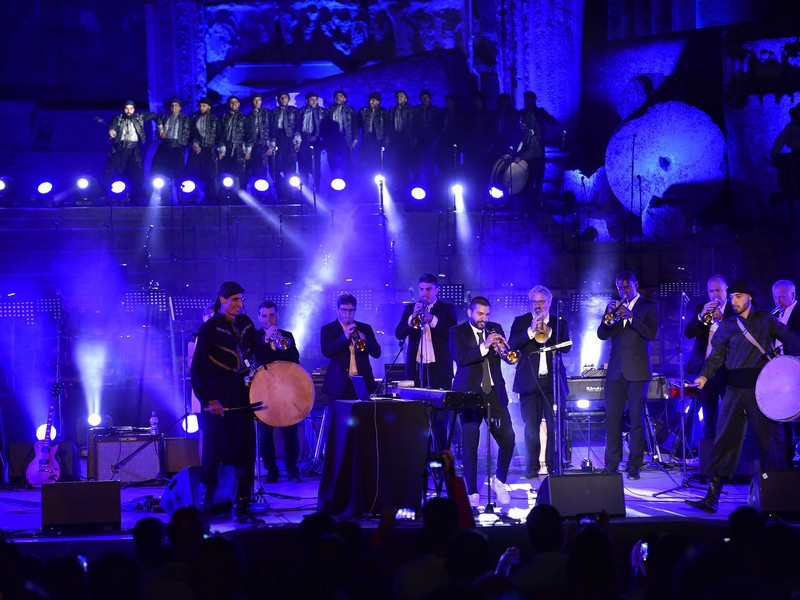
column 87, row 190
column 495, row 193
column 294, row 181
column 40, row 431
column 190, row 424
column 188, row 192
column 338, row 184
column 6, row 191
column 118, row 187
column 228, row 182
column 380, row 180
column 94, row 419
column 261, row 185
column 418, row 193
column 158, row 183
column 44, row 188
column 457, row 189
column 3, row 184
column 82, row 183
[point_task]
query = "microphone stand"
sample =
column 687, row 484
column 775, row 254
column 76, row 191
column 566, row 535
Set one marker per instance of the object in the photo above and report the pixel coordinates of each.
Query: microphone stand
column 684, row 484
column 385, row 382
column 558, row 447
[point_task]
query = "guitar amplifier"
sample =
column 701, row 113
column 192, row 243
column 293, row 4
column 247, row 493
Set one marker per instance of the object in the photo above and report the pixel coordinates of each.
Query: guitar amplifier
column 593, row 388
column 124, row 454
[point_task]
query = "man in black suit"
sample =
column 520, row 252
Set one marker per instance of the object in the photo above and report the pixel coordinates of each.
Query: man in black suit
column 347, row 344
column 701, row 327
column 474, row 346
column 273, row 344
column 533, row 380
column 631, row 323
column 783, row 293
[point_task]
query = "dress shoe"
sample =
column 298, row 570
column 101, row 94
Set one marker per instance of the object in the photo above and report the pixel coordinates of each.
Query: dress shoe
column 501, row 491
column 710, row 503
column 633, row 473
column 607, row 471
column 474, row 499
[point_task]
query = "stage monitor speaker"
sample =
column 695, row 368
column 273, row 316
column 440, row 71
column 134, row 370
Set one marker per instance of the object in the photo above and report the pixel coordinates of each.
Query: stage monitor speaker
column 776, row 493
column 583, row 495
column 81, row 507
column 109, row 448
column 182, row 489
column 20, row 454
column 179, row 453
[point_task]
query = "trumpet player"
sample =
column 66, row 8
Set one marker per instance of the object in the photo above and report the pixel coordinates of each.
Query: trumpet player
column 701, row 327
column 533, row 380
column 633, row 326
column 348, row 345
column 475, row 346
column 273, row 344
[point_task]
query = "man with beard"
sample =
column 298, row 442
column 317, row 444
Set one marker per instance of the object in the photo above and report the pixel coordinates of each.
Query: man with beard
column 233, row 142
column 310, row 146
column 127, row 133
column 340, row 132
column 202, row 164
column 282, row 142
column 173, row 131
column 258, row 127
column 372, row 122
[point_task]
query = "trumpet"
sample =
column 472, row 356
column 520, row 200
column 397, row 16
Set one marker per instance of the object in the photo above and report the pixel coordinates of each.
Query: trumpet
column 503, row 350
column 417, row 321
column 357, row 341
column 613, row 316
column 281, row 343
column 541, row 331
column 708, row 318
column 777, row 312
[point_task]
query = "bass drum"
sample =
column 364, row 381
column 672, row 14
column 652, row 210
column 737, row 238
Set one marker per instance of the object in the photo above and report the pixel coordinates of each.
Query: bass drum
column 286, row 390
column 509, row 176
column 776, row 389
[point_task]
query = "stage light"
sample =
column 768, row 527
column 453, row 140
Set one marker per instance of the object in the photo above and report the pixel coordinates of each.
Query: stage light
column 457, row 189
column 6, row 191
column 294, row 181
column 418, row 194
column 188, row 186
column 44, row 188
column 261, row 185
column 94, row 419
column 380, row 180
column 338, row 184
column 118, row 187
column 190, row 424
column 583, row 404
column 40, row 431
column 87, row 190
column 158, row 183
column 495, row 193
column 82, row 183
column 228, row 181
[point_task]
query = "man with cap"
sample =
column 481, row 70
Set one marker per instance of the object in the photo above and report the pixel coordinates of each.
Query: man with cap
column 340, row 132
column 222, row 360
column 233, row 140
column 310, row 135
column 258, row 132
column 282, row 142
column 202, row 164
column 427, row 127
column 734, row 345
column 173, row 131
column 401, row 142
column 125, row 160
column 372, row 123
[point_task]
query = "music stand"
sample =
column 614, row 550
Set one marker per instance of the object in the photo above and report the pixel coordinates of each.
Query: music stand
column 684, row 484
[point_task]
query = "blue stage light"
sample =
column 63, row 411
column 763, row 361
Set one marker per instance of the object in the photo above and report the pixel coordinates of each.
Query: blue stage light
column 294, row 181
column 261, row 185
column 158, row 183
column 418, row 193
column 228, row 181
column 495, row 193
column 45, row 187
column 338, row 184
column 188, row 186
column 118, row 187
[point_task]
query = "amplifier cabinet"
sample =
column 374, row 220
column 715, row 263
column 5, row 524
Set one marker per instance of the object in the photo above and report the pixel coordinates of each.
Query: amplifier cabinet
column 127, row 455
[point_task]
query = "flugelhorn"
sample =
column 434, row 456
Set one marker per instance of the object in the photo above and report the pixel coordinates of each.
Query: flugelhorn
column 417, row 321
column 281, row 342
column 503, row 350
column 541, row 331
column 708, row 318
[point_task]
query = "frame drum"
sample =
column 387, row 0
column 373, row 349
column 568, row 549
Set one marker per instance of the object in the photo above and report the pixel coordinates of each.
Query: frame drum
column 509, row 176
column 778, row 389
column 286, row 391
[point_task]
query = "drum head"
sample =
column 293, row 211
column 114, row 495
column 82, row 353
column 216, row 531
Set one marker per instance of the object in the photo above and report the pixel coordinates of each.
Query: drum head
column 776, row 389
column 287, row 392
column 509, row 176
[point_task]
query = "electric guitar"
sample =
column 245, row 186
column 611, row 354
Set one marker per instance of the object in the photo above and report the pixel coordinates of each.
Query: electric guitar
column 44, row 468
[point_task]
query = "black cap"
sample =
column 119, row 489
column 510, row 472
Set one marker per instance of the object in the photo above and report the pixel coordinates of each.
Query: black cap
column 425, row 93
column 375, row 96
column 283, row 93
column 342, row 92
column 228, row 289
column 311, row 95
column 128, row 102
column 740, row 286
column 176, row 101
column 206, row 100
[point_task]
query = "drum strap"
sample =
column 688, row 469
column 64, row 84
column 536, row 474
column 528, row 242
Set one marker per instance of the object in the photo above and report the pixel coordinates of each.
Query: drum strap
column 751, row 339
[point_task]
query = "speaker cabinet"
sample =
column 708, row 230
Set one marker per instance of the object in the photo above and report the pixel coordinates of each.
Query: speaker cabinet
column 20, row 454
column 182, row 490
column 776, row 493
column 180, row 453
column 583, row 495
column 81, row 507
column 123, row 455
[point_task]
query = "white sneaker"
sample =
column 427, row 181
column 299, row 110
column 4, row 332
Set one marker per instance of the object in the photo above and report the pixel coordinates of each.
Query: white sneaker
column 501, row 491
column 474, row 499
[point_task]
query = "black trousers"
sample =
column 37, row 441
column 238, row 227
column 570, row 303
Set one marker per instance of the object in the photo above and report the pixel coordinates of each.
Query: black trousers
column 125, row 160
column 290, row 443
column 739, row 407
column 619, row 393
column 708, row 398
column 502, row 431
column 534, row 407
column 228, row 440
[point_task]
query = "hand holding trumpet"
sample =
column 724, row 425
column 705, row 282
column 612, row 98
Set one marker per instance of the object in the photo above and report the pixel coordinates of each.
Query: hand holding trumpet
column 711, row 312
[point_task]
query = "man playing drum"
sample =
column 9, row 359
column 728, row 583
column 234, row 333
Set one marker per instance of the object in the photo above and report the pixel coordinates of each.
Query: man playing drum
column 220, row 364
column 273, row 344
column 735, row 345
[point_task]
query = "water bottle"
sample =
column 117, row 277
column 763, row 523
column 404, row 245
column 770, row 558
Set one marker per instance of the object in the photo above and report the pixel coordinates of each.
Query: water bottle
column 153, row 423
